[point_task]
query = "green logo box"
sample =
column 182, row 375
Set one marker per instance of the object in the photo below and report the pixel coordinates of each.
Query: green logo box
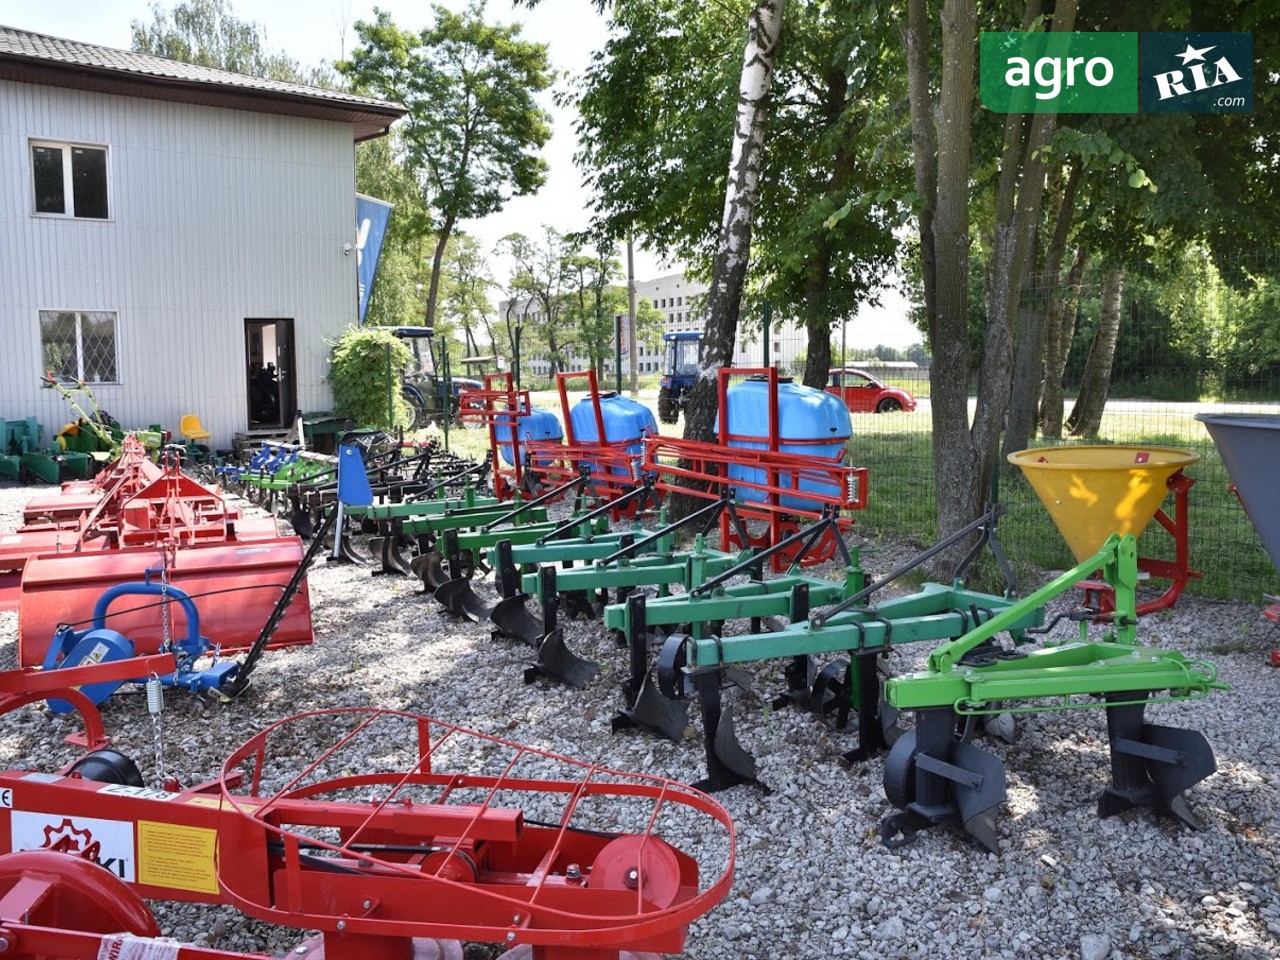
column 1059, row 72
column 1197, row 73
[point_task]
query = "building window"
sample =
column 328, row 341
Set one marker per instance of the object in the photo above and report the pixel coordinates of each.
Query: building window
column 80, row 345
column 679, row 301
column 69, row 180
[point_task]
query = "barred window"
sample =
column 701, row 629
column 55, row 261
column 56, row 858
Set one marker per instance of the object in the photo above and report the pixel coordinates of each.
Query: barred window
column 80, row 345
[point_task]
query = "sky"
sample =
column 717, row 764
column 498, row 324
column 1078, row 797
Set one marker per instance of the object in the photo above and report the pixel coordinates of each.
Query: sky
column 314, row 30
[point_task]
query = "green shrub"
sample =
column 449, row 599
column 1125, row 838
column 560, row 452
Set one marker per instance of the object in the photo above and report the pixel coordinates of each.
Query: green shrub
column 358, row 374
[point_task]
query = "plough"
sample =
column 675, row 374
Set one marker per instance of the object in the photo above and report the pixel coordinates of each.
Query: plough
column 450, row 835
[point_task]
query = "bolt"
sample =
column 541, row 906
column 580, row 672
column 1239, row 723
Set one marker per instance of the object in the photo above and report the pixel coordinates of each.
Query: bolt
column 516, row 918
column 573, row 872
column 5, row 943
column 633, row 878
column 299, row 949
column 342, row 924
column 511, row 938
column 367, row 904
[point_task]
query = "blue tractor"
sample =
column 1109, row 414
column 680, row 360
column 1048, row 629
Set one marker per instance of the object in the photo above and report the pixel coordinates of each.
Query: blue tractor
column 679, row 371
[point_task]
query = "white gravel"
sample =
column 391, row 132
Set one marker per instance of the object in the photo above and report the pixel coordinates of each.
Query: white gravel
column 812, row 879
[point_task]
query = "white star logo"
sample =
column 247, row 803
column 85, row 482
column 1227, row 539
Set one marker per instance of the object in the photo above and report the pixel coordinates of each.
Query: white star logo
column 1191, row 53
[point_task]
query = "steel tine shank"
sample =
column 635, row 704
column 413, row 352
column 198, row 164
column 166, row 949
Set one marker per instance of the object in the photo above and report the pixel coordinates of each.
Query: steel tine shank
column 665, row 531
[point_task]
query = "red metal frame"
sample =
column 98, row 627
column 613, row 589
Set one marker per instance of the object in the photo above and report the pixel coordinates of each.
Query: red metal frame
column 501, row 403
column 614, row 471
column 832, row 486
column 1100, row 596
column 462, row 837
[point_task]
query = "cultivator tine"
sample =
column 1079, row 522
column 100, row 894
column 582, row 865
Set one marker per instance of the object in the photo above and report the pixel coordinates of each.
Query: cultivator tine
column 513, row 619
column 653, row 711
column 347, row 549
column 390, row 550
column 1152, row 765
column 300, row 519
column 934, row 778
column 556, row 660
column 458, row 598
column 429, row 568
column 728, row 764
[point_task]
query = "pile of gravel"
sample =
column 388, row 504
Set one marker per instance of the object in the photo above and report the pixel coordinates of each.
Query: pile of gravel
column 812, row 879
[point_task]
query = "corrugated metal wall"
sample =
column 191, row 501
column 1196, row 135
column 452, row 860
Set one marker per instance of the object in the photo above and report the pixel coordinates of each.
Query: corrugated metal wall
column 216, row 216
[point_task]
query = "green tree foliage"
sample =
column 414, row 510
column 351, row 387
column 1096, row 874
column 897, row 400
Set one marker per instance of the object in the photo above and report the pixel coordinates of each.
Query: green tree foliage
column 208, row 33
column 365, row 370
column 657, row 111
column 474, row 128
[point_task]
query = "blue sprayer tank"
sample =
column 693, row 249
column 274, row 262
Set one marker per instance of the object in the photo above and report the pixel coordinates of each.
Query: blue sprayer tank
column 810, row 422
column 537, row 424
column 626, row 422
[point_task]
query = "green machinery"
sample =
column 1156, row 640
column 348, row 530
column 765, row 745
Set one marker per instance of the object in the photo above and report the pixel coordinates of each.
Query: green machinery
column 934, row 776
column 847, row 626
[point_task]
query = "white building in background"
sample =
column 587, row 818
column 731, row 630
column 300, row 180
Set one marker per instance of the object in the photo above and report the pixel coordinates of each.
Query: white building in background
column 179, row 237
column 682, row 303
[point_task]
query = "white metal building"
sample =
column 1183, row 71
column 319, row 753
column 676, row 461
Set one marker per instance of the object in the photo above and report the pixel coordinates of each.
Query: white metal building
column 179, row 237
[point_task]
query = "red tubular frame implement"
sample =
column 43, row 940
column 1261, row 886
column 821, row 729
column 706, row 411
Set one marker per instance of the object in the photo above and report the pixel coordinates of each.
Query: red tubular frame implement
column 463, row 837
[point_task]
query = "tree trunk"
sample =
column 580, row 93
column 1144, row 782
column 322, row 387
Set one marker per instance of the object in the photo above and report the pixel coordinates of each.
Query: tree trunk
column 729, row 271
column 1018, row 200
column 1060, row 330
column 437, row 260
column 954, row 456
column 1029, row 360
column 1086, row 415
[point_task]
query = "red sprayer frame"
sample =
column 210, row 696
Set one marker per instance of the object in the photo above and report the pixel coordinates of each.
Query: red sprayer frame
column 501, row 403
column 829, row 484
column 614, row 471
column 449, row 835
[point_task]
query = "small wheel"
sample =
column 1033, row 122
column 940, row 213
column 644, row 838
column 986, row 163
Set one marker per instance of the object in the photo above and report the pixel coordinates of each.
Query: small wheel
column 888, row 405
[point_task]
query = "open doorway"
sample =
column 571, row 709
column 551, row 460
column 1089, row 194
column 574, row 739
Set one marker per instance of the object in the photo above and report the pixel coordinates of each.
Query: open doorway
column 269, row 371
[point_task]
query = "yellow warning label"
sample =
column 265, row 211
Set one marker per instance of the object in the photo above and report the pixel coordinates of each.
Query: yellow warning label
column 177, row 857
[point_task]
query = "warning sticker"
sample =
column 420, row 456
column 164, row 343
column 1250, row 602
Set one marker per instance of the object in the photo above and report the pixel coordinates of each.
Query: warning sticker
column 142, row 793
column 177, row 857
column 204, row 800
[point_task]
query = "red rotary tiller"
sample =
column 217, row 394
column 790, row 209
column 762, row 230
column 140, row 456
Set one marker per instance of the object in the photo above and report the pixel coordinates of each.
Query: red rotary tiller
column 449, row 835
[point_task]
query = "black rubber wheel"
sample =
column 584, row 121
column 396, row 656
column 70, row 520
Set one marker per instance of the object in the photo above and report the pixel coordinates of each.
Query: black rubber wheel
column 668, row 412
column 888, row 405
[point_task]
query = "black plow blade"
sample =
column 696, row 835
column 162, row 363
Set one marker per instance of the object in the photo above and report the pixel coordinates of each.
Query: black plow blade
column 556, row 660
column 1153, row 765
column 934, row 778
column 654, row 711
column 512, row 619
column 728, row 764
column 458, row 598
column 429, row 568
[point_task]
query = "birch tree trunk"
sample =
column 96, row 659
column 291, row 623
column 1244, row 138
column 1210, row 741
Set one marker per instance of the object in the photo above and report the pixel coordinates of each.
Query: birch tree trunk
column 729, row 271
column 1086, row 415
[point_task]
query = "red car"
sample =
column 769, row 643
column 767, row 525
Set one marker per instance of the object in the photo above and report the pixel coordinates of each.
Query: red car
column 863, row 393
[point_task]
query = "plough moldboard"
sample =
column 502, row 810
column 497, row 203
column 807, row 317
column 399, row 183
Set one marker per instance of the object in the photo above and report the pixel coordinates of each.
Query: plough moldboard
column 448, row 835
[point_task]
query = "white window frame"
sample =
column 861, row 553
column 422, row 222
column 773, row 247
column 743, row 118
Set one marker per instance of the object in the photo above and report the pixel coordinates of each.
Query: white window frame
column 80, row 314
column 68, row 185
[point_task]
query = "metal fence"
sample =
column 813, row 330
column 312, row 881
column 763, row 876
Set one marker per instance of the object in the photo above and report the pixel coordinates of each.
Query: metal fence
column 1191, row 337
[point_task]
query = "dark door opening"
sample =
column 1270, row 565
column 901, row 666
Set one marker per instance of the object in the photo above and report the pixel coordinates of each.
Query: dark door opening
column 269, row 371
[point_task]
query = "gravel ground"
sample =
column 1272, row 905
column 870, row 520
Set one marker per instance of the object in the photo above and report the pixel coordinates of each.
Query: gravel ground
column 812, row 879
